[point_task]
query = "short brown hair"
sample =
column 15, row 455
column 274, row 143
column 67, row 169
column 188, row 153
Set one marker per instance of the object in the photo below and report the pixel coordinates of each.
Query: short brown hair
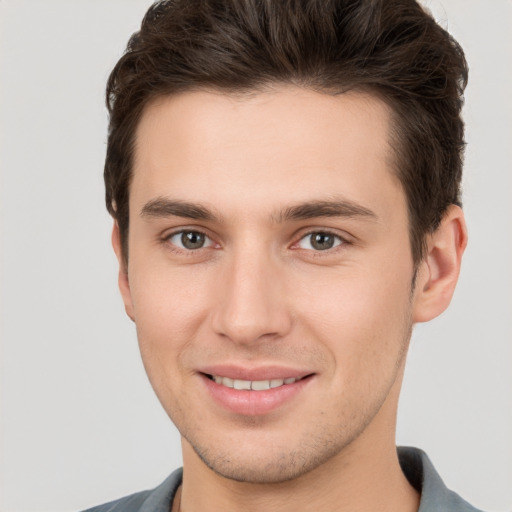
column 392, row 48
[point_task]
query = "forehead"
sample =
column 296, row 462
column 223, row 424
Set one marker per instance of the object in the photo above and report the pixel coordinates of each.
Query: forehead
column 224, row 149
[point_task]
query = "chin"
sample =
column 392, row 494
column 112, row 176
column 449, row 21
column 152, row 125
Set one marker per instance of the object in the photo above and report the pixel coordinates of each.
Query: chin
column 284, row 468
column 270, row 462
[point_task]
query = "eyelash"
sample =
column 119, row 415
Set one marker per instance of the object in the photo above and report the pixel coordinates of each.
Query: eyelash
column 339, row 242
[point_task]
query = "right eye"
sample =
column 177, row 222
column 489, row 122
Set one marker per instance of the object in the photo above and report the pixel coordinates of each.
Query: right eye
column 190, row 240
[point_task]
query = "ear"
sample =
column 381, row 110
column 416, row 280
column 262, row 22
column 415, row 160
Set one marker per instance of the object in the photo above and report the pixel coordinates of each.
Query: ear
column 124, row 284
column 439, row 270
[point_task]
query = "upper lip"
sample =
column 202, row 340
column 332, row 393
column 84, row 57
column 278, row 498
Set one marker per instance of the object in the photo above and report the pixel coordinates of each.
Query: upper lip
column 257, row 373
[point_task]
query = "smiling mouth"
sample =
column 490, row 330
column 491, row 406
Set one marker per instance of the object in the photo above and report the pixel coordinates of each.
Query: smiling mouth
column 253, row 385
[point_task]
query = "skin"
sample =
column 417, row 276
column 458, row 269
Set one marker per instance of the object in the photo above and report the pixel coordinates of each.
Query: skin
column 258, row 293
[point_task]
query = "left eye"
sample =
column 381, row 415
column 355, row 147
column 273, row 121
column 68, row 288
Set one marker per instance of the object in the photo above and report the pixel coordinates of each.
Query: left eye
column 190, row 240
column 319, row 241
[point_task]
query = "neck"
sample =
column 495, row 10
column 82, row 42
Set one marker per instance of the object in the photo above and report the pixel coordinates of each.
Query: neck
column 365, row 475
column 341, row 485
column 374, row 484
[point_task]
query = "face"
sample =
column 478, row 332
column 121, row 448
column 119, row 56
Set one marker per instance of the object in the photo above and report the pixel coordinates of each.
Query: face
column 269, row 275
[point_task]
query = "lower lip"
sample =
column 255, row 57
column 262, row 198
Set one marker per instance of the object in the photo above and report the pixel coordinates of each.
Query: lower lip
column 254, row 403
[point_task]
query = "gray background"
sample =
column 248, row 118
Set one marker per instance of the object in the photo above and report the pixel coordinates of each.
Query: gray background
column 79, row 422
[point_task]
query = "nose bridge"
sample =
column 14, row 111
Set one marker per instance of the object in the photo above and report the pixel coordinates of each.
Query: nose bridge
column 252, row 302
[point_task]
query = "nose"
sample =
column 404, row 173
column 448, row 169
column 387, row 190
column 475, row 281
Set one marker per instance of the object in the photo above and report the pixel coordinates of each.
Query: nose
column 252, row 303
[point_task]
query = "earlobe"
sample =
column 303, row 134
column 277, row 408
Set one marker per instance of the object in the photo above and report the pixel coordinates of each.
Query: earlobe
column 124, row 284
column 439, row 271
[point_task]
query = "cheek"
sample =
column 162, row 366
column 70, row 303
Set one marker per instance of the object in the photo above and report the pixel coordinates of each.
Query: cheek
column 170, row 306
column 361, row 317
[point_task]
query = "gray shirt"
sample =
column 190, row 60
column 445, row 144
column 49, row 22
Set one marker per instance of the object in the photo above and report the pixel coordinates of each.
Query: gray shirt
column 435, row 496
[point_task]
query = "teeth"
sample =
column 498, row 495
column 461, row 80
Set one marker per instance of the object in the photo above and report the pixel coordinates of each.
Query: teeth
column 260, row 385
column 242, row 384
column 255, row 385
column 275, row 383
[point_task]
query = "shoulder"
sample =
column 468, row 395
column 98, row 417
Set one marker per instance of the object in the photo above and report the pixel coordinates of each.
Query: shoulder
column 158, row 499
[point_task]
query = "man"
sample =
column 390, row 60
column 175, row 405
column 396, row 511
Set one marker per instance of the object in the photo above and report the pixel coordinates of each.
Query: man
column 284, row 178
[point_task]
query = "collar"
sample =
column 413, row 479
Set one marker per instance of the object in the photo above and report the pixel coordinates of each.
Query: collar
column 435, row 496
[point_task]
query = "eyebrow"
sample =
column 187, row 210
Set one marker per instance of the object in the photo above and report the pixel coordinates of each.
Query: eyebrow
column 162, row 207
column 313, row 209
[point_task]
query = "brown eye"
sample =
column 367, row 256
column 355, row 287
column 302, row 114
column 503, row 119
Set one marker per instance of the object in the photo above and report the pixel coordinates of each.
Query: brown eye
column 190, row 240
column 320, row 241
